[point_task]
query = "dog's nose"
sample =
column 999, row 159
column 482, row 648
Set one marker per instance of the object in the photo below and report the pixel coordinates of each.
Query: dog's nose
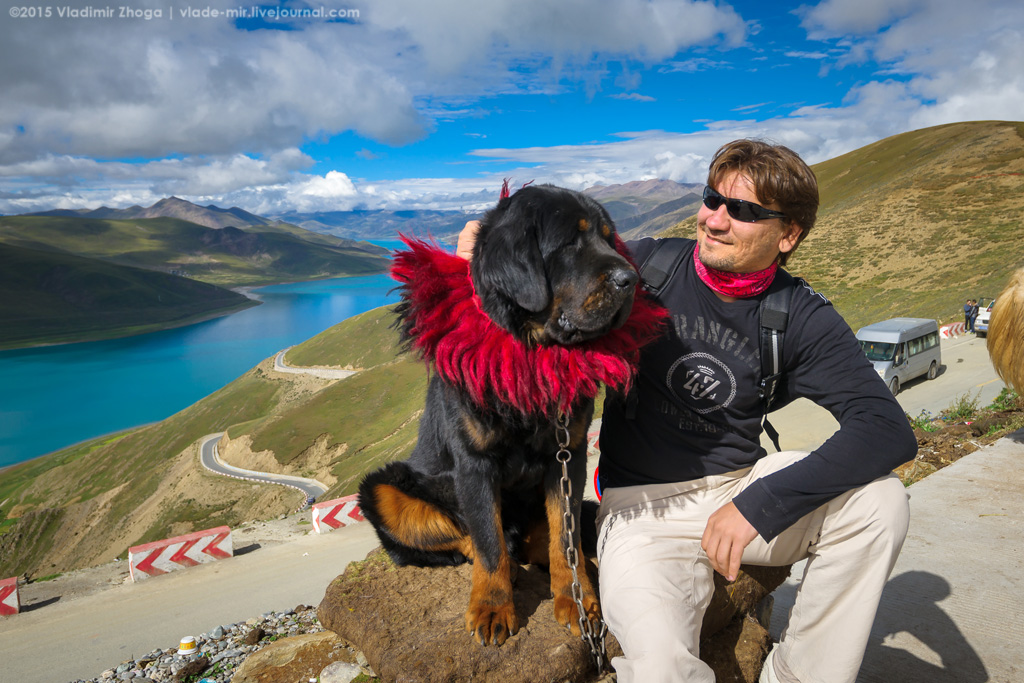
column 623, row 278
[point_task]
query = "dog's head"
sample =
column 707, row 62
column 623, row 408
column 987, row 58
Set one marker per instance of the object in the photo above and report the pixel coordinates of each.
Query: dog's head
column 546, row 269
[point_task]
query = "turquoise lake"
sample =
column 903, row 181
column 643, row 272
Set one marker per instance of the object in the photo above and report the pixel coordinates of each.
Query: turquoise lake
column 56, row 396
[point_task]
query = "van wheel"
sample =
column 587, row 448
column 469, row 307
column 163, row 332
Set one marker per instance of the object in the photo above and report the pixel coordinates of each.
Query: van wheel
column 894, row 385
column 933, row 370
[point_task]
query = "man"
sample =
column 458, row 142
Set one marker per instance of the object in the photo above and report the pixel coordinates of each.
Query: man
column 968, row 316
column 688, row 490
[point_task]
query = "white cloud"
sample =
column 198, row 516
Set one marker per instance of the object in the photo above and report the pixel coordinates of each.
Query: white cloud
column 634, row 96
column 218, row 114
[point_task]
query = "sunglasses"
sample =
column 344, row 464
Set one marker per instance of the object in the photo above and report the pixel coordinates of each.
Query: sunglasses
column 739, row 209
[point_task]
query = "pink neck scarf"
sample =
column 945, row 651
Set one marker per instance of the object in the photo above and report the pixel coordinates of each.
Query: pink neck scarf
column 738, row 285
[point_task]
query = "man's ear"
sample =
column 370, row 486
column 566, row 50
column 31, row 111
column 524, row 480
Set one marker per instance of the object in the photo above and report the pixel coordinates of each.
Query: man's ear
column 790, row 237
column 507, row 263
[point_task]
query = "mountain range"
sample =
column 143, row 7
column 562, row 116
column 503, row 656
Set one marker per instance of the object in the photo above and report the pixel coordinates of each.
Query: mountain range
column 83, row 275
column 172, row 207
column 638, row 208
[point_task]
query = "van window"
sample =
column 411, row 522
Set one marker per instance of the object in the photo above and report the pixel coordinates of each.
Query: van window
column 929, row 341
column 878, row 350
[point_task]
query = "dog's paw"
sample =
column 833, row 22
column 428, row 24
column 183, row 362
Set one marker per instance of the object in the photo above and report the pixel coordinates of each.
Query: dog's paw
column 566, row 613
column 491, row 624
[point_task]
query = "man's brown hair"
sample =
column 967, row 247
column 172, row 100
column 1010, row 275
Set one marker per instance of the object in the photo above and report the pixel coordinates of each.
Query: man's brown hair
column 779, row 176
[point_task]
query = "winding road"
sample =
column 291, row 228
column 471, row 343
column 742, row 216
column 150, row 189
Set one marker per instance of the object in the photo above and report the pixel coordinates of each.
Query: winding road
column 280, row 365
column 311, row 488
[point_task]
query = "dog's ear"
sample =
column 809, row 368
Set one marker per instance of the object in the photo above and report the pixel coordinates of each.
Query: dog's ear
column 508, row 267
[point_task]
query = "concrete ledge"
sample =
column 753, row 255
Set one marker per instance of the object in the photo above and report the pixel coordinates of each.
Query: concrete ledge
column 160, row 557
column 337, row 513
column 10, row 602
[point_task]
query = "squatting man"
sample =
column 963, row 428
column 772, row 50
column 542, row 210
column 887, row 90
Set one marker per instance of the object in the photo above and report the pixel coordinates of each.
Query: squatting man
column 687, row 488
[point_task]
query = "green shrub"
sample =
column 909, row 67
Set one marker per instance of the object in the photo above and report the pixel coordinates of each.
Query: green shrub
column 963, row 408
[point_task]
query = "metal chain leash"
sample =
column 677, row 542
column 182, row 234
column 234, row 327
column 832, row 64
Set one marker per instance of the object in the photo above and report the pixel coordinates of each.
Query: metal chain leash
column 593, row 635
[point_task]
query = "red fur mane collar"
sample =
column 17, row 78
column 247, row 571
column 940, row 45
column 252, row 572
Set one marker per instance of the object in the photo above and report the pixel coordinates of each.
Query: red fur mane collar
column 443, row 320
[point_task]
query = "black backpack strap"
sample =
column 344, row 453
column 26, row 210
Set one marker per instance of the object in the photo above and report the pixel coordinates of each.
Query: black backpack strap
column 659, row 266
column 655, row 271
column 774, row 316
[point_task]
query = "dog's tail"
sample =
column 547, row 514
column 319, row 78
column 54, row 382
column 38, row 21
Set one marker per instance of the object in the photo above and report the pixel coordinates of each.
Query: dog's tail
column 414, row 519
column 1006, row 333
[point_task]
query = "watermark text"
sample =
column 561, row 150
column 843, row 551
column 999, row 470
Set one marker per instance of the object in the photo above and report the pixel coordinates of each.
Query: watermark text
column 171, row 13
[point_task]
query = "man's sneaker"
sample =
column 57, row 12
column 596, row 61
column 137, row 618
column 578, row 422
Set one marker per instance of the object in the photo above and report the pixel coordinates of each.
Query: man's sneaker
column 768, row 670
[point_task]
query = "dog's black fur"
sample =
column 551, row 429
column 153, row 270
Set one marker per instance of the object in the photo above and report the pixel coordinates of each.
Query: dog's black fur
column 483, row 483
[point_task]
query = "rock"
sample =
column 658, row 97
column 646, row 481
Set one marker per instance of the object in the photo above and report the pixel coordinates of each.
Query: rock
column 192, row 668
column 254, row 636
column 409, row 623
column 299, row 658
column 741, row 596
column 737, row 652
column 340, row 672
column 914, row 471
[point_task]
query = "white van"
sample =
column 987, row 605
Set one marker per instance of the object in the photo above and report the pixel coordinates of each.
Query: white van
column 902, row 349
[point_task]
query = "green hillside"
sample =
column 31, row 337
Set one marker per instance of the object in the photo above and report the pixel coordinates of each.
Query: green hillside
column 83, row 505
column 222, row 256
column 915, row 224
column 909, row 226
column 48, row 297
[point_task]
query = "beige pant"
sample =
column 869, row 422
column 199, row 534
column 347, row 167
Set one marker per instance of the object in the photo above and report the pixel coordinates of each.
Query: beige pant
column 656, row 581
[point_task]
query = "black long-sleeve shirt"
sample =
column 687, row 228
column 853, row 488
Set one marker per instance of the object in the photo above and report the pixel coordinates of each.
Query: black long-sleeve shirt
column 698, row 413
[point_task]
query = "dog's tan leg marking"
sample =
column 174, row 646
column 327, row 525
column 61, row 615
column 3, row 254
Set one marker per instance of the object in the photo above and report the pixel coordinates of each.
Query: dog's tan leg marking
column 561, row 575
column 537, row 543
column 418, row 524
column 491, row 616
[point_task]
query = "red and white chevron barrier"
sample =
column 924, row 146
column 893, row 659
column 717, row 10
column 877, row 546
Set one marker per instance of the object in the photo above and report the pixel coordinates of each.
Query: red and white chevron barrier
column 160, row 557
column 952, row 330
column 9, row 601
column 334, row 514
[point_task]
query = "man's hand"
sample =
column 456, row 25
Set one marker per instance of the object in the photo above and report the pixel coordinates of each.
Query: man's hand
column 467, row 238
column 726, row 536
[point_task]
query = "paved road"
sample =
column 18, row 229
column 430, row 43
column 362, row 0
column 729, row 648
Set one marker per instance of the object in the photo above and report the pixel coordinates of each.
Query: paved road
column 71, row 640
column 211, row 461
column 280, row 365
column 966, row 370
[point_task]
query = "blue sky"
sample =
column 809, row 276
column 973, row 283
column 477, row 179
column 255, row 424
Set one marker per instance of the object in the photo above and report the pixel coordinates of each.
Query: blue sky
column 417, row 104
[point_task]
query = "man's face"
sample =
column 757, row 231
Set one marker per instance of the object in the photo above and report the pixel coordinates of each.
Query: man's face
column 737, row 247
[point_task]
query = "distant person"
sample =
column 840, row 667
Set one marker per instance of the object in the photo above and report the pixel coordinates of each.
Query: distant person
column 968, row 325
column 687, row 488
column 974, row 313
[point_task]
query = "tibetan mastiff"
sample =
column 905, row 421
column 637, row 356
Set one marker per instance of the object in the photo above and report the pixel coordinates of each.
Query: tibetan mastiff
column 483, row 484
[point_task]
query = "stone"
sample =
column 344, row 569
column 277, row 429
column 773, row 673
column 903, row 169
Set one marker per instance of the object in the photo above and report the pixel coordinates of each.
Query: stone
column 299, row 658
column 193, row 667
column 340, row 672
column 254, row 636
column 409, row 622
column 737, row 652
column 740, row 597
